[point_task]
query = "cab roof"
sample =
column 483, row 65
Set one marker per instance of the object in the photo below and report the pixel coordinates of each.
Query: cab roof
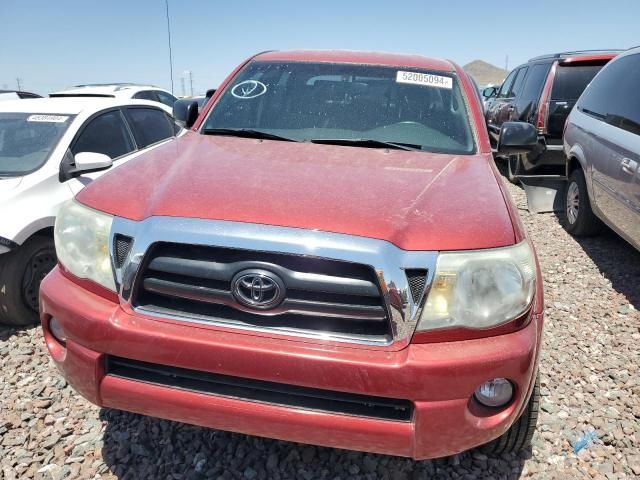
column 352, row 56
column 68, row 106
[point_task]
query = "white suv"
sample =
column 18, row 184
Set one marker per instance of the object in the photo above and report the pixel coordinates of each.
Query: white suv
column 50, row 148
column 119, row 90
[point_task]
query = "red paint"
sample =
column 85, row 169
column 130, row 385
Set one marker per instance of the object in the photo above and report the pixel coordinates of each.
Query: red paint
column 603, row 57
column 446, row 420
column 415, row 200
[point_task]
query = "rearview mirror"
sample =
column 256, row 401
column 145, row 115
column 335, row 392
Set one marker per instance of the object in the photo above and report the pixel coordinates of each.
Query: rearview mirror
column 185, row 112
column 91, row 162
column 517, row 137
column 489, row 92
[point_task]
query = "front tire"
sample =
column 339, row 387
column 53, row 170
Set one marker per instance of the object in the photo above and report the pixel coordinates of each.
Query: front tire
column 518, row 437
column 21, row 272
column 577, row 217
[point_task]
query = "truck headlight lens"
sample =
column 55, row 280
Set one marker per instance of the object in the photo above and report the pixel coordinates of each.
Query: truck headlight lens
column 82, row 243
column 480, row 289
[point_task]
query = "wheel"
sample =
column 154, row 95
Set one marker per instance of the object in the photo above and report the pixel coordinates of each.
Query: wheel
column 512, row 168
column 21, row 272
column 577, row 217
column 519, row 436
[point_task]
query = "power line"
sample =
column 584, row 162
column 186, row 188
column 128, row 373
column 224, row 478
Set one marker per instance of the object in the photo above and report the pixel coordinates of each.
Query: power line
column 166, row 2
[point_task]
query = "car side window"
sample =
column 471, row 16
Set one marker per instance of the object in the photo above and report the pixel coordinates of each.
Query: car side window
column 146, row 95
column 516, row 89
column 107, row 134
column 149, row 125
column 506, row 85
column 535, row 82
column 166, row 98
column 613, row 96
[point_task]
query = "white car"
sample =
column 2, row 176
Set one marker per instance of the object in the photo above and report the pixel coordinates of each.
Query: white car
column 50, row 148
column 119, row 90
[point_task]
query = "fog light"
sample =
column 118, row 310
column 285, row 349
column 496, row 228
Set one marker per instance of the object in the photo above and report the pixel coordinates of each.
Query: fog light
column 494, row 393
column 57, row 331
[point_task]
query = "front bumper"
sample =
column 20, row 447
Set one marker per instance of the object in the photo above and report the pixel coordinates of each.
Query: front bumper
column 438, row 378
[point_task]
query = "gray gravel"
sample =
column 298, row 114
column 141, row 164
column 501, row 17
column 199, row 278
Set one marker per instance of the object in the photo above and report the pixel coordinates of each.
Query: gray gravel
column 590, row 383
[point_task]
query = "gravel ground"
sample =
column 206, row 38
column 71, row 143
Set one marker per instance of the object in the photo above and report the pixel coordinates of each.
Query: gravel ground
column 590, row 383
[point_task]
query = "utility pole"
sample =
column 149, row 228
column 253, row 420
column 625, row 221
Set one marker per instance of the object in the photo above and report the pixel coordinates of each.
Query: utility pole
column 184, row 93
column 166, row 2
column 19, row 82
column 189, row 73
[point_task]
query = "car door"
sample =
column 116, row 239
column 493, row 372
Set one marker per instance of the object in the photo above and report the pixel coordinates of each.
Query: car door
column 527, row 98
column 497, row 109
column 613, row 148
column 106, row 132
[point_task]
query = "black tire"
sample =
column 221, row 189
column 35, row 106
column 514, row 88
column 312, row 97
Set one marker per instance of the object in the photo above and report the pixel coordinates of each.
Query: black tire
column 518, row 437
column 21, row 272
column 512, row 168
column 576, row 216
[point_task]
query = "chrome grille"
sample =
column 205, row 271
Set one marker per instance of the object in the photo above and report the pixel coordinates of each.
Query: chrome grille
column 322, row 295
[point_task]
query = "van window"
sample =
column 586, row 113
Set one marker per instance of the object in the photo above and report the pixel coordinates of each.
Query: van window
column 614, row 96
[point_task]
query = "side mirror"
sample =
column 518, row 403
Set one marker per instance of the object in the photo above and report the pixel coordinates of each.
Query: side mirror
column 210, row 93
column 185, row 112
column 489, row 92
column 517, row 137
column 91, row 162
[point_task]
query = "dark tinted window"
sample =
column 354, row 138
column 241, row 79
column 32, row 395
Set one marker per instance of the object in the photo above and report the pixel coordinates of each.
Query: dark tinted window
column 166, row 98
column 535, row 81
column 614, row 95
column 105, row 134
column 516, row 89
column 146, row 95
column 506, row 85
column 149, row 125
column 570, row 81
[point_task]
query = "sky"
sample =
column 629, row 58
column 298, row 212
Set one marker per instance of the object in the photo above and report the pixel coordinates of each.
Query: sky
column 52, row 44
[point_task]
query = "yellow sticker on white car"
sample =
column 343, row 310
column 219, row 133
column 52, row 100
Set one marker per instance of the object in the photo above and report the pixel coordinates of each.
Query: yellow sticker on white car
column 47, row 118
column 426, row 79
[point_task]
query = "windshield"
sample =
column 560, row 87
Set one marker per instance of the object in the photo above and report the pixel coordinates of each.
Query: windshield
column 27, row 139
column 324, row 101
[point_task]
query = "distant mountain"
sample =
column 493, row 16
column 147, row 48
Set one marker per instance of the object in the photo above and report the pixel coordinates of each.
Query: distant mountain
column 484, row 73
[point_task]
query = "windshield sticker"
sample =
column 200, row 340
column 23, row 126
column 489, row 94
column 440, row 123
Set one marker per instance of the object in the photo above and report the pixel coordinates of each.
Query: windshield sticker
column 249, row 89
column 47, row 118
column 426, row 79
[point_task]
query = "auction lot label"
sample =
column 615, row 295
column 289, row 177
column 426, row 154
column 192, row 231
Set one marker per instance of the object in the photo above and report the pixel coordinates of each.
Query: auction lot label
column 426, row 79
column 47, row 118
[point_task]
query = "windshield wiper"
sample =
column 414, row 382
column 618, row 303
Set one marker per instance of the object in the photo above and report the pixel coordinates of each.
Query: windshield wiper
column 246, row 133
column 367, row 143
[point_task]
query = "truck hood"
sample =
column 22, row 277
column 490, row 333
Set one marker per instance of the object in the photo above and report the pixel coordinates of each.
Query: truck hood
column 7, row 185
column 415, row 200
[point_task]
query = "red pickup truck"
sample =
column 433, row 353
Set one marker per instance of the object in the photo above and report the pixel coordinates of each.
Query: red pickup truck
column 329, row 256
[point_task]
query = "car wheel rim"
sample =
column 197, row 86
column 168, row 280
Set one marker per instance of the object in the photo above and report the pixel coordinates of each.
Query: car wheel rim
column 37, row 268
column 573, row 202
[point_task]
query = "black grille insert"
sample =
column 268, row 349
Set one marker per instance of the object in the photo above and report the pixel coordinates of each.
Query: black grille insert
column 121, row 246
column 322, row 295
column 417, row 278
column 261, row 391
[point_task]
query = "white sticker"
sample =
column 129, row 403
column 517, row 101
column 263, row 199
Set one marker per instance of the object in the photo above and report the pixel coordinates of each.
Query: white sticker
column 47, row 118
column 248, row 89
column 427, row 79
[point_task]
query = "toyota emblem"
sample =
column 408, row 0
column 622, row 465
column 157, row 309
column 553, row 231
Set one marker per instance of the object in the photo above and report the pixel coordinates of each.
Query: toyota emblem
column 259, row 289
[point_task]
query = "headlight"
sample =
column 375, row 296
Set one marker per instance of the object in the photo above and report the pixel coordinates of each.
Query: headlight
column 82, row 243
column 480, row 289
